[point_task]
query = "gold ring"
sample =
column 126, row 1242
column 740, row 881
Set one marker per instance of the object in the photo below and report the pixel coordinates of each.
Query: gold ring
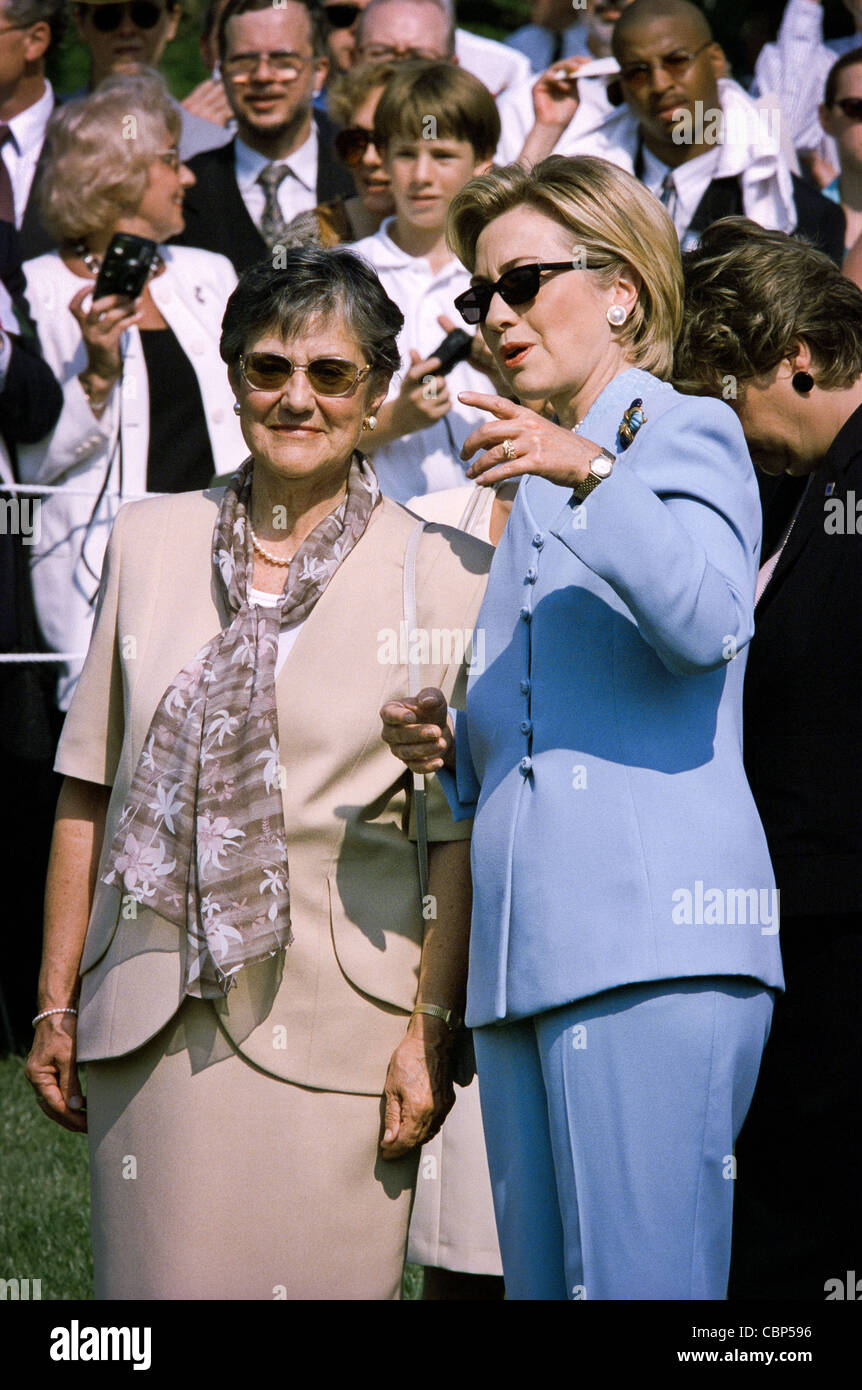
column 509, row 450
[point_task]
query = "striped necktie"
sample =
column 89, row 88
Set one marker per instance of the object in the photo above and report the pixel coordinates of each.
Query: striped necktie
column 273, row 227
column 669, row 196
column 7, row 200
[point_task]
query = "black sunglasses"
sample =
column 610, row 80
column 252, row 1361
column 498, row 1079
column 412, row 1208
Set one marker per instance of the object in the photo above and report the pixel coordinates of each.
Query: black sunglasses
column 515, row 287
column 327, row 376
column 351, row 144
column 340, row 16
column 106, row 18
column 851, row 107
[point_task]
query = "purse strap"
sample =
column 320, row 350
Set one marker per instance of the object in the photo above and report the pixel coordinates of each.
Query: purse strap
column 414, row 685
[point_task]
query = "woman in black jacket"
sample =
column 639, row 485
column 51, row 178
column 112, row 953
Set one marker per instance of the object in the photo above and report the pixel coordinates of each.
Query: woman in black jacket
column 773, row 327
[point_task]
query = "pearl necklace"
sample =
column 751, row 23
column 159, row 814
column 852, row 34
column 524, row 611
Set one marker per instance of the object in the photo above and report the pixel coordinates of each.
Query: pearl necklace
column 267, row 554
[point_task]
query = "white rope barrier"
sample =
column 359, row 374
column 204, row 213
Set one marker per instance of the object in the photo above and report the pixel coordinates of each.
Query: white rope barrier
column 45, row 490
column 9, row 658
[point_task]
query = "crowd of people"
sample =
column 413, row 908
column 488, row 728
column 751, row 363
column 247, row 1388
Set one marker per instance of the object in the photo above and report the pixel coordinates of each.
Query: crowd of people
column 544, row 358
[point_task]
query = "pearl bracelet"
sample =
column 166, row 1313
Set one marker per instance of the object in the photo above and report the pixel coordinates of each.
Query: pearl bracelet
column 45, row 1013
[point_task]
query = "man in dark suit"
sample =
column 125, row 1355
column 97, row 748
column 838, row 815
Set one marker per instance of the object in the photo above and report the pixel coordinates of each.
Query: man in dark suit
column 30, row 404
column 29, row 31
column 697, row 139
column 281, row 163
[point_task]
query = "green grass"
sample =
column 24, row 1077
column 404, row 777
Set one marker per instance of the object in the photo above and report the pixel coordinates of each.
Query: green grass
column 44, row 1194
column 45, row 1197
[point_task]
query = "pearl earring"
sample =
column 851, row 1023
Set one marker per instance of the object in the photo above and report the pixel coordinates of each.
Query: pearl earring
column 617, row 315
column 370, row 423
column 236, row 407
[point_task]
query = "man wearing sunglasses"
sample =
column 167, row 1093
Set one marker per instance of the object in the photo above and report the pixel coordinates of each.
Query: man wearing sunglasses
column 120, row 37
column 695, row 137
column 841, row 118
column 29, row 31
column 258, row 192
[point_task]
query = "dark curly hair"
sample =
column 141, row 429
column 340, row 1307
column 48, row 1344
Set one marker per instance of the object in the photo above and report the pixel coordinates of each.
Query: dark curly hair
column 750, row 295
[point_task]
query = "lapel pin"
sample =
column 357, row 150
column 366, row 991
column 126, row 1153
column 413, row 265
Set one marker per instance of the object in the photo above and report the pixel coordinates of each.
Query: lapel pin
column 632, row 420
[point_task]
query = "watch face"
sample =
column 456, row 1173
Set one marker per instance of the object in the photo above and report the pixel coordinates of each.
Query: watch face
column 601, row 466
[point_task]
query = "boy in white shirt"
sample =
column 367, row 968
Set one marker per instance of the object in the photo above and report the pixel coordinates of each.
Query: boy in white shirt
column 435, row 126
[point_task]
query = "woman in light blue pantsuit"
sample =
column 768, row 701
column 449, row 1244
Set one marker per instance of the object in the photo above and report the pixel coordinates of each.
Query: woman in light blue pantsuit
column 624, row 948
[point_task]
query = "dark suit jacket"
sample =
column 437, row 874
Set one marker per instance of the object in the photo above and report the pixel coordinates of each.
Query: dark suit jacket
column 33, row 237
column 30, row 405
column 803, row 689
column 818, row 219
column 216, row 216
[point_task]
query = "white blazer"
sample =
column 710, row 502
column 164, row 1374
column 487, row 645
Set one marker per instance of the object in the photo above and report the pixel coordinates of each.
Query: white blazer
column 84, row 454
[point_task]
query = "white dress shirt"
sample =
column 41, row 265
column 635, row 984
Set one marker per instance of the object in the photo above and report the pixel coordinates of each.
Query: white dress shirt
column 495, row 64
column 21, row 153
column 691, row 180
column 428, row 459
column 297, row 191
column 795, row 68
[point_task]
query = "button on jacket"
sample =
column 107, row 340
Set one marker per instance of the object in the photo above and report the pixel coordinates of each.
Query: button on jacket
column 615, row 835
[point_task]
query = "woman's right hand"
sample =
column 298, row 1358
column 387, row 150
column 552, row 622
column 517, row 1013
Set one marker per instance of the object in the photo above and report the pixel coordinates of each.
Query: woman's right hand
column 418, row 732
column 555, row 94
column 52, row 1071
column 102, row 327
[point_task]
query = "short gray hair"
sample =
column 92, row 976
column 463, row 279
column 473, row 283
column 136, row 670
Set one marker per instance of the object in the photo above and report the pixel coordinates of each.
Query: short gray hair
column 100, row 149
column 312, row 283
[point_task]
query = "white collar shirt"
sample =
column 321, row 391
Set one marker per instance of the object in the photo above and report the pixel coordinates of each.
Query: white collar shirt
column 297, row 191
column 428, row 460
column 691, row 180
column 21, row 153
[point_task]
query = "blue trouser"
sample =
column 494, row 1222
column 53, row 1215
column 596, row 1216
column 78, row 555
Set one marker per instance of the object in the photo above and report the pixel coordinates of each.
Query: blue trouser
column 610, row 1126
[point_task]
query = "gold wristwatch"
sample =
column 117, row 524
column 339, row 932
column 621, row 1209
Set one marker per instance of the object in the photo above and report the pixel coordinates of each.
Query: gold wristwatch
column 601, row 467
column 449, row 1016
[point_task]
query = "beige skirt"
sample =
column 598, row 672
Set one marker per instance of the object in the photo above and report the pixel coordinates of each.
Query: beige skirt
column 211, row 1179
column 453, row 1218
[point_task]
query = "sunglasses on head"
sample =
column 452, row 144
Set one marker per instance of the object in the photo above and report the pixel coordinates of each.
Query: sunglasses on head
column 850, row 107
column 351, row 144
column 327, row 376
column 144, row 15
column 517, row 286
column 340, row 16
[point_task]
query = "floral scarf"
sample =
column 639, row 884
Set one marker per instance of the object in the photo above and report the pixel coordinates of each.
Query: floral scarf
column 201, row 838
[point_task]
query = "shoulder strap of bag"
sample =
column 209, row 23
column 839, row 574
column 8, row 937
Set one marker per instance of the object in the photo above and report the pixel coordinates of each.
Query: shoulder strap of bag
column 414, row 685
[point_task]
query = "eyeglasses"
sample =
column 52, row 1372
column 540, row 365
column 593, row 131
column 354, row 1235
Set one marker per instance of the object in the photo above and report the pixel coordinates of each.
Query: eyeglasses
column 385, row 53
column 674, row 64
column 327, row 376
column 850, row 107
column 107, row 18
column 171, row 158
column 351, row 144
column 286, row 66
column 341, row 16
column 517, row 286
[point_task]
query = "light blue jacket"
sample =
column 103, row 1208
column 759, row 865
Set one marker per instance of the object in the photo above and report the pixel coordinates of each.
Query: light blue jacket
column 616, row 839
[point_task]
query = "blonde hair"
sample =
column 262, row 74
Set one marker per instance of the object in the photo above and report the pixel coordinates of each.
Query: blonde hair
column 99, row 150
column 620, row 225
column 427, row 96
column 349, row 89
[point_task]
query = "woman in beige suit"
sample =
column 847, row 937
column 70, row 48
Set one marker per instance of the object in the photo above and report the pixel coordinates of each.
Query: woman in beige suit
column 235, row 941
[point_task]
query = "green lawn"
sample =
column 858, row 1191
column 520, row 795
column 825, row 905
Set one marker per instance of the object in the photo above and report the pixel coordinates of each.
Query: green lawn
column 45, row 1197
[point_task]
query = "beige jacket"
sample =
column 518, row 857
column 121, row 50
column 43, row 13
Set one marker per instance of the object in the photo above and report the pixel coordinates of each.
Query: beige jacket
column 329, row 1013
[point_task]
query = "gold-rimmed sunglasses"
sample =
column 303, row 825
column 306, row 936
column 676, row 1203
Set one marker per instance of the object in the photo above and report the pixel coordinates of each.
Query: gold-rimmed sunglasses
column 327, row 376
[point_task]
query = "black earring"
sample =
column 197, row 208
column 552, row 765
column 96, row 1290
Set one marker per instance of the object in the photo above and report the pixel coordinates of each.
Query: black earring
column 802, row 382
